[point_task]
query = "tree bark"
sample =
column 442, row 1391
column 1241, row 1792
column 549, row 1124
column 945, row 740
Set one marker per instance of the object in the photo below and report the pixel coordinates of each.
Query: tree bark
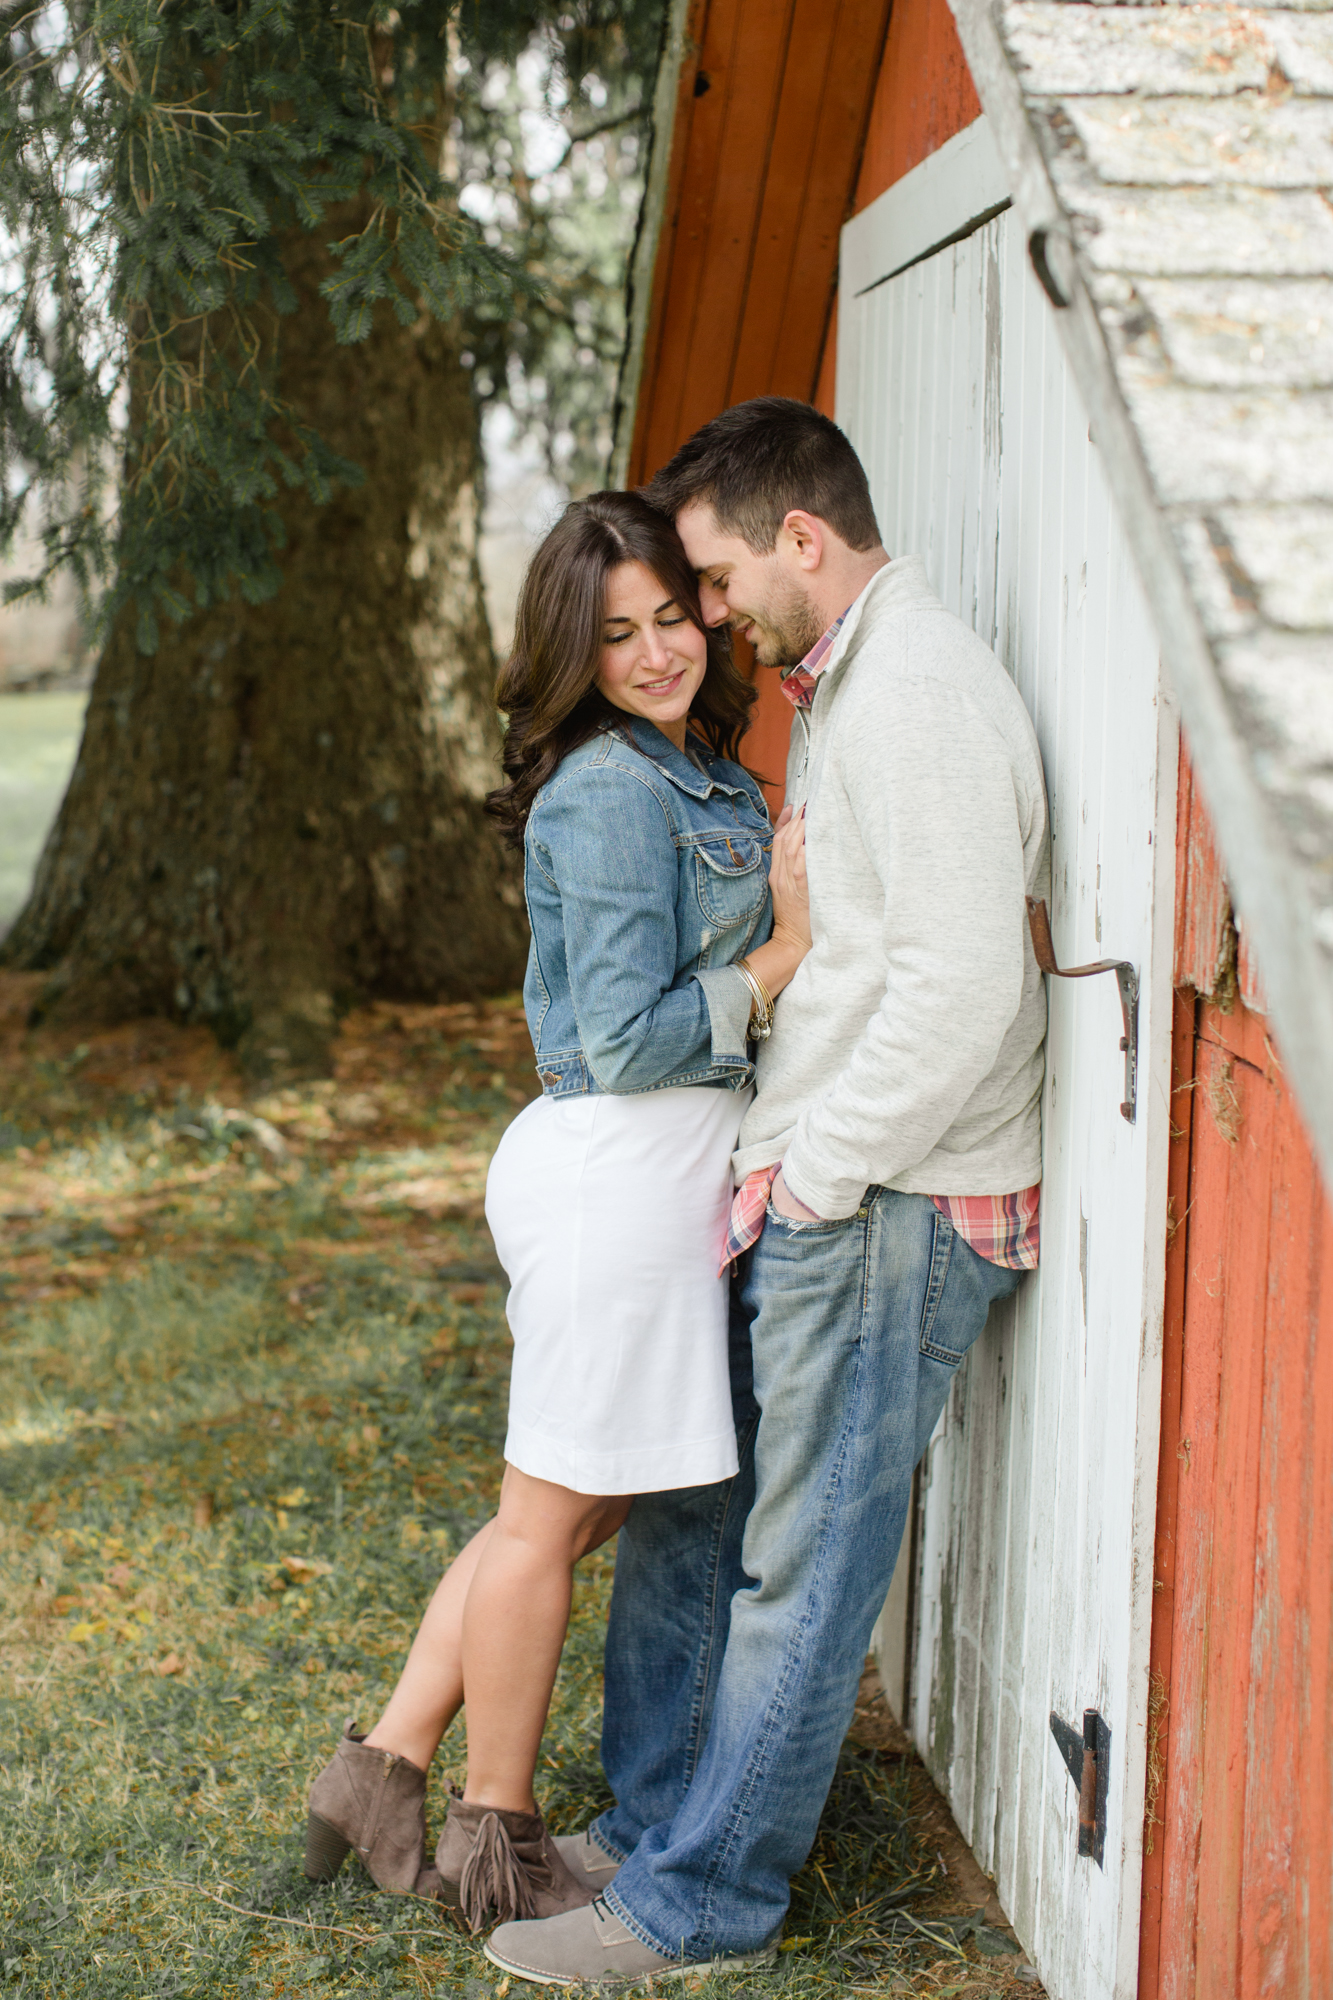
column 280, row 811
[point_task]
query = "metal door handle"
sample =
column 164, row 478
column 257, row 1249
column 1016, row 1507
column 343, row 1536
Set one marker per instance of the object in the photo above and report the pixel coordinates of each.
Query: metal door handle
column 1126, row 978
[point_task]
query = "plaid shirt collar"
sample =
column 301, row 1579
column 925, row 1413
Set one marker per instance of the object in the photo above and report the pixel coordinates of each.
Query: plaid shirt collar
column 798, row 682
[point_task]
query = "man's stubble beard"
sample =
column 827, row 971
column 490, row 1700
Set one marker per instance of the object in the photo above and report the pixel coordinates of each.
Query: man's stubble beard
column 788, row 626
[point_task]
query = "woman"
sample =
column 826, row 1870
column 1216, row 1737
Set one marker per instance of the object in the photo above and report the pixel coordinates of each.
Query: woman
column 645, row 847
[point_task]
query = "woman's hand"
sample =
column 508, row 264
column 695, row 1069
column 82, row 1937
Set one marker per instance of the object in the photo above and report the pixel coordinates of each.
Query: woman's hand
column 787, row 880
column 775, row 963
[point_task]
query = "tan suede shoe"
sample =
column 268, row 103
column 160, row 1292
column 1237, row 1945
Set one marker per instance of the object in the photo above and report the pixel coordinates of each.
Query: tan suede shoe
column 591, row 1947
column 489, row 1859
column 586, row 1861
column 376, row 1803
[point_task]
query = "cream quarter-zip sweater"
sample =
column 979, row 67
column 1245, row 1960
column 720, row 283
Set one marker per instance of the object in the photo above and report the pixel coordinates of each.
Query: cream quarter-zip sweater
column 907, row 1050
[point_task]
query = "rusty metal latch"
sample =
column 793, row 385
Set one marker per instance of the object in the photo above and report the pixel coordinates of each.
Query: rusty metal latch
column 1126, row 978
column 1088, row 1760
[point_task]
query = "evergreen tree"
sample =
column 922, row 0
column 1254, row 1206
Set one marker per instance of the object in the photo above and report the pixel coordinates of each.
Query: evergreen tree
column 240, row 265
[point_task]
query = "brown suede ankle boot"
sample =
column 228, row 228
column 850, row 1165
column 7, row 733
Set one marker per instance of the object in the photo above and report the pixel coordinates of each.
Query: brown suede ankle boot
column 376, row 1803
column 506, row 1862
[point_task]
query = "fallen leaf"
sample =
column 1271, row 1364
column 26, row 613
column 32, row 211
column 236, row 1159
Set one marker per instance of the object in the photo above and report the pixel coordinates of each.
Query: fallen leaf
column 87, row 1628
column 119, row 1576
column 502, row 1988
column 172, row 1664
column 313, row 1667
column 371, row 1433
column 64, row 1604
column 303, row 1568
column 203, row 1510
column 296, row 1498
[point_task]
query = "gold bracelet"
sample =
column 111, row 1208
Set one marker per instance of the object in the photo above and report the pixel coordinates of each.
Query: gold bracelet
column 756, row 1003
column 765, row 996
column 761, row 1014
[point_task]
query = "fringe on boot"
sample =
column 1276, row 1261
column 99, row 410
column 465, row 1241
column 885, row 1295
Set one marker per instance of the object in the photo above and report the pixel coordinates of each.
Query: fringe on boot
column 505, row 1862
column 493, row 1877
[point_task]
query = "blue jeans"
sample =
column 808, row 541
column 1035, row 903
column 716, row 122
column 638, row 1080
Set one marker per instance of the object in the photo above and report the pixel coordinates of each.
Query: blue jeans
column 742, row 1612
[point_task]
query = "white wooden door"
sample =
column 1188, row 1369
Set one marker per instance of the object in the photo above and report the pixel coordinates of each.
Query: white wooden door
column 1034, row 1534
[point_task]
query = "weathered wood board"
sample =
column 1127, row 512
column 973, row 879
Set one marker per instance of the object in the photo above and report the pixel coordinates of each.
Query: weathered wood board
column 1034, row 1540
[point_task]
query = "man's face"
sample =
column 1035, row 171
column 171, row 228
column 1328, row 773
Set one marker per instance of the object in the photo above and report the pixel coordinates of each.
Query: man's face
column 761, row 597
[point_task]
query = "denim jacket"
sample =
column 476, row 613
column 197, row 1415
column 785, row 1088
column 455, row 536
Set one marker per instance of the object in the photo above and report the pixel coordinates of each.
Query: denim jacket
column 645, row 877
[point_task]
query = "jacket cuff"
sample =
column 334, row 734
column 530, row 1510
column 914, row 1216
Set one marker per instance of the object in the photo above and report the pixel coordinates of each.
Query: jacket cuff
column 831, row 1201
column 728, row 1000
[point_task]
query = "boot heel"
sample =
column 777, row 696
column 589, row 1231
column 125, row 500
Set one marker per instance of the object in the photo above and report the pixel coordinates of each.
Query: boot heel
column 325, row 1849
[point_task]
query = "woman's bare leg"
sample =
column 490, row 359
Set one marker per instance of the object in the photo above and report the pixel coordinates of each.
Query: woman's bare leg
column 429, row 1693
column 514, row 1625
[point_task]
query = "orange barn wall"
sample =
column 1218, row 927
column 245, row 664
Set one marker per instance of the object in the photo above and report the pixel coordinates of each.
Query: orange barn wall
column 791, row 116
column 924, row 95
column 1236, row 1886
column 770, row 128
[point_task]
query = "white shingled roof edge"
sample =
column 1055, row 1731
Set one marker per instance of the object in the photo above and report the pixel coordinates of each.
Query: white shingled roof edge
column 1277, row 890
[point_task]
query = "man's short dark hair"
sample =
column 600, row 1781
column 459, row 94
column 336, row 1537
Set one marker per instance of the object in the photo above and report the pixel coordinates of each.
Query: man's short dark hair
column 758, row 461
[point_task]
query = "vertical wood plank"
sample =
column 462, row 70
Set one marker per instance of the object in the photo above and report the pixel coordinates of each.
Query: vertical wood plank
column 822, row 110
column 1203, row 905
column 1286, row 1787
column 1169, row 1462
column 709, row 245
column 1235, row 1114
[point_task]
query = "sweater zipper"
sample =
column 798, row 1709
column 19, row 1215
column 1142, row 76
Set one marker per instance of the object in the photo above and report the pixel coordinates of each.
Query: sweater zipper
column 805, row 761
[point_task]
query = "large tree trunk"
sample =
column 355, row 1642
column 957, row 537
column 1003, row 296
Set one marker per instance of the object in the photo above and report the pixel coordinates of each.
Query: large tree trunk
column 280, row 810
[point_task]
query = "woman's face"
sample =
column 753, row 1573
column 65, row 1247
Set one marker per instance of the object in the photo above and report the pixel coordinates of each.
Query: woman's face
column 653, row 656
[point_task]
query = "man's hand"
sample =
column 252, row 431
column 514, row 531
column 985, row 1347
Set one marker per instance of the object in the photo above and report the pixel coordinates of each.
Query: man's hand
column 786, row 1203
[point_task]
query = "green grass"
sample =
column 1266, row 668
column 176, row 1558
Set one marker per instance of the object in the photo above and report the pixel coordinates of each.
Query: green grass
column 253, row 1404
column 39, row 737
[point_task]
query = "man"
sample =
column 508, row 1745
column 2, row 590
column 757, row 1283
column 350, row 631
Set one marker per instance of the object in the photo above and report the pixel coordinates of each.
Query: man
column 887, row 1176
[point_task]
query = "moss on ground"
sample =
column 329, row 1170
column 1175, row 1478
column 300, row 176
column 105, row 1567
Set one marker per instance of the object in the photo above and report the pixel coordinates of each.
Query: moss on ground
column 256, row 1370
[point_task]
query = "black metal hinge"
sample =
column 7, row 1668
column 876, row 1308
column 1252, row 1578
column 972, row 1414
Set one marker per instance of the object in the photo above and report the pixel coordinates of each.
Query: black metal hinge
column 1126, row 978
column 1088, row 1760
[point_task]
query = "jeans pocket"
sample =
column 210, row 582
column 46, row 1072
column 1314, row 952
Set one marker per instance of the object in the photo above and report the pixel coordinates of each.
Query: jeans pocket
column 941, row 1250
column 800, row 1225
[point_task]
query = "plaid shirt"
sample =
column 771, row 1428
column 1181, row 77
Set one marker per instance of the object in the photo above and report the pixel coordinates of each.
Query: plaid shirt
column 1002, row 1228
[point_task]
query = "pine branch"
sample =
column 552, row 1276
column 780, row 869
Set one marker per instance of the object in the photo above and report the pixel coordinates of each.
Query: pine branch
column 158, row 167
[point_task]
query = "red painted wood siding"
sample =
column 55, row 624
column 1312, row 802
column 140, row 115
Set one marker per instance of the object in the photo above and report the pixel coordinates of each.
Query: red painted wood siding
column 770, row 128
column 791, row 116
column 1236, row 1891
column 924, row 95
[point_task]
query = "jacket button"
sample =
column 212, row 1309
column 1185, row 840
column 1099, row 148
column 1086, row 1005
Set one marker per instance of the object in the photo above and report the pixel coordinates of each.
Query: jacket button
column 550, row 1076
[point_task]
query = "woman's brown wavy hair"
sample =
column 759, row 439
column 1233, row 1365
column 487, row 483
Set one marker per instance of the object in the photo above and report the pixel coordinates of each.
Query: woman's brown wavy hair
column 548, row 688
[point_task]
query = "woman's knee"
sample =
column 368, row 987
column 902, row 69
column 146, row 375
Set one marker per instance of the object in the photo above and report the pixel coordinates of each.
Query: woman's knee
column 554, row 1519
column 607, row 1522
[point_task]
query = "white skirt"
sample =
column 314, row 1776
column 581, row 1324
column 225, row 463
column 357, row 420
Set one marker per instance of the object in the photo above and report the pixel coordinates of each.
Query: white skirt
column 609, row 1215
